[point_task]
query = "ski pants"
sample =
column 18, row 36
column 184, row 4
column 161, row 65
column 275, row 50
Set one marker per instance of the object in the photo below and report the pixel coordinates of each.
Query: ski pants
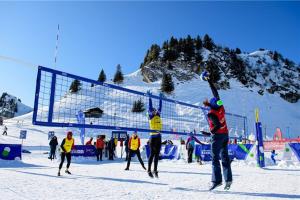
column 219, row 147
column 190, row 155
column 137, row 153
column 99, row 154
column 155, row 145
column 63, row 155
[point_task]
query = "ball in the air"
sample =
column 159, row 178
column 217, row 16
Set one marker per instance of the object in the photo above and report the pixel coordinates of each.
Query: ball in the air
column 204, row 76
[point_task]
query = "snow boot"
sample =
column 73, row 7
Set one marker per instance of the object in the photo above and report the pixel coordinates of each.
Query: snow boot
column 227, row 185
column 150, row 174
column 214, row 185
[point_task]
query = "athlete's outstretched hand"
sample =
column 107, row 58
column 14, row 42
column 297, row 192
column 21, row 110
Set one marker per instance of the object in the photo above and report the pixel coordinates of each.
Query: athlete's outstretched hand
column 205, row 133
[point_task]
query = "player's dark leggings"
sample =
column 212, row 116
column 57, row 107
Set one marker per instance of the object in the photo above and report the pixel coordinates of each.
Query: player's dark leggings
column 138, row 154
column 63, row 155
column 155, row 144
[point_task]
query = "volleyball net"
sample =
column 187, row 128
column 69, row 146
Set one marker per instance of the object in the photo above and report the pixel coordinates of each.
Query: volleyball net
column 67, row 100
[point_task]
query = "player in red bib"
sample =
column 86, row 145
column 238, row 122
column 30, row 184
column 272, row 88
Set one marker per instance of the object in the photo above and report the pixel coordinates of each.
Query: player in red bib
column 220, row 138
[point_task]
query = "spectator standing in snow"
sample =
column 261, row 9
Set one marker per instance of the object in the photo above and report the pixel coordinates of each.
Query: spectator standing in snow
column 134, row 148
column 273, row 154
column 53, row 144
column 89, row 142
column 99, row 147
column 111, row 147
column 66, row 146
column 220, row 138
column 126, row 147
column 190, row 146
column 4, row 130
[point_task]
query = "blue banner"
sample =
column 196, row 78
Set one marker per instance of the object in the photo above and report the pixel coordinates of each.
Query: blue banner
column 10, row 151
column 23, row 134
column 119, row 134
column 81, row 120
column 166, row 152
column 296, row 149
column 235, row 151
column 84, row 150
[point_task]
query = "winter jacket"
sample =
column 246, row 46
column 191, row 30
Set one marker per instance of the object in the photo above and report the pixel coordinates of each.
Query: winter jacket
column 134, row 143
column 53, row 143
column 191, row 142
column 100, row 143
column 67, row 145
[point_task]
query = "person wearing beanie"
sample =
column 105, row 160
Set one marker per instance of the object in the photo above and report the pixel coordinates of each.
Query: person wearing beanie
column 219, row 133
column 66, row 146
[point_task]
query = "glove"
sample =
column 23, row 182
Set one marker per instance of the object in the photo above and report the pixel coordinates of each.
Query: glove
column 206, row 102
column 204, row 76
column 205, row 133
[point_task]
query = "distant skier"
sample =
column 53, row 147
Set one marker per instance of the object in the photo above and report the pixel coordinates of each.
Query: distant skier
column 155, row 136
column 53, row 143
column 190, row 146
column 134, row 148
column 5, row 131
column 220, row 138
column 66, row 146
column 99, row 147
column 273, row 154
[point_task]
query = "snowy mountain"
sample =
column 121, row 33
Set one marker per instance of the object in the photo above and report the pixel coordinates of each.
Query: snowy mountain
column 262, row 71
column 11, row 106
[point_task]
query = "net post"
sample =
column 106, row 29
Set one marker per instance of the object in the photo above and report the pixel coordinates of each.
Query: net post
column 36, row 96
column 52, row 98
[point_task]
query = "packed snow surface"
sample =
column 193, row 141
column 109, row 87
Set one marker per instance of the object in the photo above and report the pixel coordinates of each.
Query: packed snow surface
column 36, row 178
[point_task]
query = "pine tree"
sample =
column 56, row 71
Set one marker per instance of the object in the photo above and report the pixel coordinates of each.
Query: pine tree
column 208, row 42
column 154, row 52
column 213, row 69
column 118, row 78
column 102, row 76
column 275, row 56
column 138, row 106
column 189, row 48
column 167, row 84
column 238, row 51
column 170, row 66
column 238, row 68
column 198, row 43
column 75, row 86
column 173, row 43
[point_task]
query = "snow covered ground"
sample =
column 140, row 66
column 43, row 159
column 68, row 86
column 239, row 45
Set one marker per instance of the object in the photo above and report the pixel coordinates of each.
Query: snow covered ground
column 36, row 178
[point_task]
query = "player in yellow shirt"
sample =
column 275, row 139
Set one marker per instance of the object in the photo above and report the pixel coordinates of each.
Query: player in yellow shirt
column 66, row 146
column 156, row 125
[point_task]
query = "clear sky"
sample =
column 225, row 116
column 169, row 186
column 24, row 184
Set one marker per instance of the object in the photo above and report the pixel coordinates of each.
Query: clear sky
column 97, row 35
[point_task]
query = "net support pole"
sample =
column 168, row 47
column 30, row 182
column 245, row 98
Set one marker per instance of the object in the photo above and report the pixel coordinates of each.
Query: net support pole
column 259, row 142
column 51, row 103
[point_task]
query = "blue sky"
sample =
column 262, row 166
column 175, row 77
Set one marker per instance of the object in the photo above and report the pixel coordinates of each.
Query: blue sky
column 97, row 35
